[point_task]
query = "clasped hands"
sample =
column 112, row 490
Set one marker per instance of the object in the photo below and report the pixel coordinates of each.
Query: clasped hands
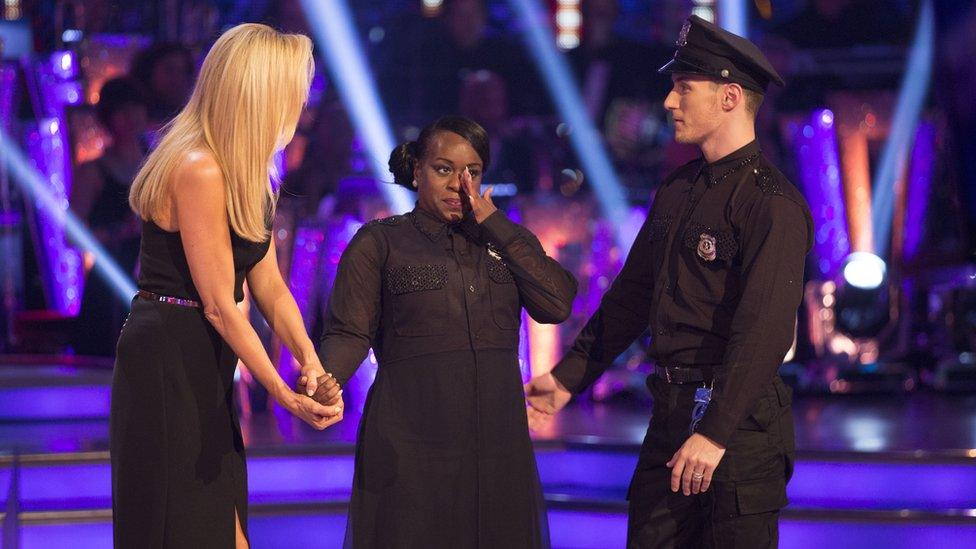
column 318, row 397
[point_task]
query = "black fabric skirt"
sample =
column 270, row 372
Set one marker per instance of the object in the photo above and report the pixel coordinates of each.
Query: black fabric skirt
column 178, row 469
column 444, row 458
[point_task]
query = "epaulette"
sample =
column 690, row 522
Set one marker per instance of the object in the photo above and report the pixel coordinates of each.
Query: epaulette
column 392, row 220
column 767, row 182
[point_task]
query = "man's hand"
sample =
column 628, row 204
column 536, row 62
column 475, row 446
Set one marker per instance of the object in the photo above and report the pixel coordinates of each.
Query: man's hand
column 545, row 396
column 694, row 463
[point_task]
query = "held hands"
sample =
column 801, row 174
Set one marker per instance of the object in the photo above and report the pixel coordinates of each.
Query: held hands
column 314, row 413
column 545, row 397
column 694, row 463
column 327, row 390
column 481, row 205
column 309, row 378
column 318, row 400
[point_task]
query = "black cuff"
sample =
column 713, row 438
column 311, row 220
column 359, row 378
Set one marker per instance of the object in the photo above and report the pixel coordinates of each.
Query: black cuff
column 717, row 426
column 500, row 229
column 570, row 371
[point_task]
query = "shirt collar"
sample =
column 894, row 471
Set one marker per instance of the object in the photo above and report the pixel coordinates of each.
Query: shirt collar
column 715, row 172
column 434, row 227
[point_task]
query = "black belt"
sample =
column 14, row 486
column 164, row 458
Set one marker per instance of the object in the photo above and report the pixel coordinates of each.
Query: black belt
column 181, row 301
column 680, row 374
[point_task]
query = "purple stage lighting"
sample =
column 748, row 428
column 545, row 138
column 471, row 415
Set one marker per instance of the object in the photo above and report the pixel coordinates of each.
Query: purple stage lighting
column 62, row 264
column 919, row 185
column 52, row 88
column 815, row 145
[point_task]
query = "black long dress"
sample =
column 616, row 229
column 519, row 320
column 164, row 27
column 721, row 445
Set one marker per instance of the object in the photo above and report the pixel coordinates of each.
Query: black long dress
column 178, row 469
column 443, row 456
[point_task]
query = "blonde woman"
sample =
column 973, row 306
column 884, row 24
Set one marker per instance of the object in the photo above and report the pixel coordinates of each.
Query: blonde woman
column 205, row 194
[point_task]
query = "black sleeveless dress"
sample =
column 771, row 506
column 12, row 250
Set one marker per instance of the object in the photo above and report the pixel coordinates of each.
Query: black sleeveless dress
column 178, row 469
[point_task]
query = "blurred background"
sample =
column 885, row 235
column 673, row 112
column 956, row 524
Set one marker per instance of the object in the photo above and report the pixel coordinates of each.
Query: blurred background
column 876, row 126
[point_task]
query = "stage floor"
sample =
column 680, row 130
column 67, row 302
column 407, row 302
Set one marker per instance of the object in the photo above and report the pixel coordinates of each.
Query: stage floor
column 872, row 470
column 890, row 424
column 897, row 424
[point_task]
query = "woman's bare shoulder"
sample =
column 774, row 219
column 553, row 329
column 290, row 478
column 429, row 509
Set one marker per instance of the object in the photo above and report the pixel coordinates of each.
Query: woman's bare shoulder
column 196, row 182
column 198, row 167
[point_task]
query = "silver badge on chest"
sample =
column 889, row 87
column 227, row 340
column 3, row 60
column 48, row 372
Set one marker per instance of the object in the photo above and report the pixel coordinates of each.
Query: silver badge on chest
column 706, row 247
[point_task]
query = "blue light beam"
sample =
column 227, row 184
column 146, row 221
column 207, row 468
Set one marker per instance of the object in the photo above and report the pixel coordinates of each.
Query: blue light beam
column 911, row 99
column 32, row 183
column 335, row 33
column 733, row 17
column 586, row 141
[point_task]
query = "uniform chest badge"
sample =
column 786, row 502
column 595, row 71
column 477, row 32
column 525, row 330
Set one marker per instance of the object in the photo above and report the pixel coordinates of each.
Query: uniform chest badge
column 706, row 247
column 494, row 253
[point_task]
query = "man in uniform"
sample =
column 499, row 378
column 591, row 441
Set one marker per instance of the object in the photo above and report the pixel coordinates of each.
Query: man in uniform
column 716, row 272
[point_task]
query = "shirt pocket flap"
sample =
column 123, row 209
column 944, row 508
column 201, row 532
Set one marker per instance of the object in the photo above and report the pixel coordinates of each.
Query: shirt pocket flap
column 406, row 279
column 499, row 272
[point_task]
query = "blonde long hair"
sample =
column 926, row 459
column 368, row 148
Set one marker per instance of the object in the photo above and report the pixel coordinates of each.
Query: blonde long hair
column 252, row 87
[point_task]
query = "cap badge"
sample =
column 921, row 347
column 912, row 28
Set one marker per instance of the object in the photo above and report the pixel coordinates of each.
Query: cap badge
column 683, row 35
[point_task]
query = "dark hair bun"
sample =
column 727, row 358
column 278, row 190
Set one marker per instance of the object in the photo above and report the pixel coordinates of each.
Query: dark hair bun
column 402, row 162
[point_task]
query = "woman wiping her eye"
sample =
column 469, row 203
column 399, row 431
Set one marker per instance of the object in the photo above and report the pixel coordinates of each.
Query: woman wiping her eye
column 443, row 457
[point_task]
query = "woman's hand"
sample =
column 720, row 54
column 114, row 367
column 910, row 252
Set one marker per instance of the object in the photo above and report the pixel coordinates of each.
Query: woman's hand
column 310, row 374
column 328, row 392
column 311, row 412
column 481, row 205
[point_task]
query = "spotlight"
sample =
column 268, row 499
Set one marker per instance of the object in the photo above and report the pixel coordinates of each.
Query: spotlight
column 864, row 270
column 862, row 301
column 432, row 8
column 63, row 65
column 71, row 35
column 865, row 311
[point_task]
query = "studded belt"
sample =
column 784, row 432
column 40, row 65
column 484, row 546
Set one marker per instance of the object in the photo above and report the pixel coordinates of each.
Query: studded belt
column 182, row 302
column 681, row 374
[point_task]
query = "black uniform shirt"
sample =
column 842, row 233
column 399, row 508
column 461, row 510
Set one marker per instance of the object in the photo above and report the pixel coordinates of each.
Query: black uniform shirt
column 412, row 285
column 716, row 272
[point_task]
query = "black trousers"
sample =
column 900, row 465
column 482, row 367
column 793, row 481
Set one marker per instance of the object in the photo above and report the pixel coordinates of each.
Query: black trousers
column 741, row 507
